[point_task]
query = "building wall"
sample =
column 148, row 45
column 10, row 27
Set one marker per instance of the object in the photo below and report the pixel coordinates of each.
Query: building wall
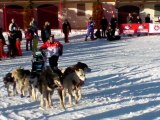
column 66, row 10
column 70, row 13
column 149, row 9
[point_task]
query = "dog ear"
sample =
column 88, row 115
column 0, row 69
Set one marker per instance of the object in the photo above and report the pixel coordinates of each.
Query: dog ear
column 78, row 62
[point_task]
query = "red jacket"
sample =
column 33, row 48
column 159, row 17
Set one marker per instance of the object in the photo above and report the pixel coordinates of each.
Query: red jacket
column 52, row 48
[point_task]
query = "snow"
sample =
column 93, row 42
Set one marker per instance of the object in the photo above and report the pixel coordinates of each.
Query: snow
column 124, row 82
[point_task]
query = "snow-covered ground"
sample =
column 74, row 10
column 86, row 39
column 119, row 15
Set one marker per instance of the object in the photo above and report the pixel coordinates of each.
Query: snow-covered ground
column 124, row 82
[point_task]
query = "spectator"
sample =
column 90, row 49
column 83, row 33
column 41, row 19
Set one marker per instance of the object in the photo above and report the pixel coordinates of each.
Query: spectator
column 66, row 27
column 90, row 29
column 33, row 26
column 130, row 18
column 2, row 43
column 110, row 35
column 148, row 19
column 13, row 26
column 19, row 33
column 12, row 44
column 45, row 32
column 113, row 24
column 139, row 20
column 29, row 36
column 104, row 24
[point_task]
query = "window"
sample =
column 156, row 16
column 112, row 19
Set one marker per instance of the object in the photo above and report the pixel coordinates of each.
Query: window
column 81, row 9
column 157, row 10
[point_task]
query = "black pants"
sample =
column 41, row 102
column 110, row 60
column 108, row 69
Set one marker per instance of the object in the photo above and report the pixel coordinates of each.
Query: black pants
column 103, row 32
column 53, row 61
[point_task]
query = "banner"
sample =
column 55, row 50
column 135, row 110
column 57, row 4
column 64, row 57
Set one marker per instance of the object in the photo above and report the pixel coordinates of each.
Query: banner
column 134, row 28
column 154, row 28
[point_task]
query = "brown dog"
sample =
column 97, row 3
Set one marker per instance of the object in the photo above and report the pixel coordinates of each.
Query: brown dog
column 22, row 77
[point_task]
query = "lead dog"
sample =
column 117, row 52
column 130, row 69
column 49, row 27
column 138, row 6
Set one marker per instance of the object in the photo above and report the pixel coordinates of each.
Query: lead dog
column 78, row 65
column 72, row 85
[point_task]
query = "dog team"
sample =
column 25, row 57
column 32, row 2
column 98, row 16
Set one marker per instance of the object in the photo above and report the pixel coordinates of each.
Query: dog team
column 44, row 82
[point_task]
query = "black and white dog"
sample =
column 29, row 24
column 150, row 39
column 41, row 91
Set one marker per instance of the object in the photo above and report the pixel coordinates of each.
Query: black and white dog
column 9, row 81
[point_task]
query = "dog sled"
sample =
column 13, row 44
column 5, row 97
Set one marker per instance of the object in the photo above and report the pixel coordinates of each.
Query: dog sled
column 38, row 61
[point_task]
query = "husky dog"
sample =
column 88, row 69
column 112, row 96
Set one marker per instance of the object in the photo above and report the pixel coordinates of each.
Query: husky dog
column 77, row 66
column 72, row 85
column 22, row 77
column 9, row 81
column 47, row 82
column 34, row 85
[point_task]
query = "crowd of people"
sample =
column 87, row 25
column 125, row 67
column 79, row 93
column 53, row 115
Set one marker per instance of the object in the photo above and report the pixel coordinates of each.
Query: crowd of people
column 107, row 30
column 31, row 36
column 137, row 19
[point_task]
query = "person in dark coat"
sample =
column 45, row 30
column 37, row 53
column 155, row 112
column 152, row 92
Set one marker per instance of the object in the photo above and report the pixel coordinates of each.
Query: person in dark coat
column 46, row 32
column 104, row 24
column 139, row 20
column 33, row 26
column 12, row 44
column 19, row 34
column 66, row 28
column 130, row 18
column 148, row 19
column 113, row 24
column 111, row 36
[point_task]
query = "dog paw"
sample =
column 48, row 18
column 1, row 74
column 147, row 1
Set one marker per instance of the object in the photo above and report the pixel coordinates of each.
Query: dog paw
column 62, row 107
column 70, row 105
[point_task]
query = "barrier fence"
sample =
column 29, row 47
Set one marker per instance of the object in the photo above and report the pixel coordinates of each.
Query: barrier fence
column 145, row 28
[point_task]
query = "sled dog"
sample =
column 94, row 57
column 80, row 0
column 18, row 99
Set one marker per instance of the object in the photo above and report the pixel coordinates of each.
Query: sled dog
column 9, row 81
column 77, row 66
column 47, row 82
column 72, row 85
column 22, row 77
